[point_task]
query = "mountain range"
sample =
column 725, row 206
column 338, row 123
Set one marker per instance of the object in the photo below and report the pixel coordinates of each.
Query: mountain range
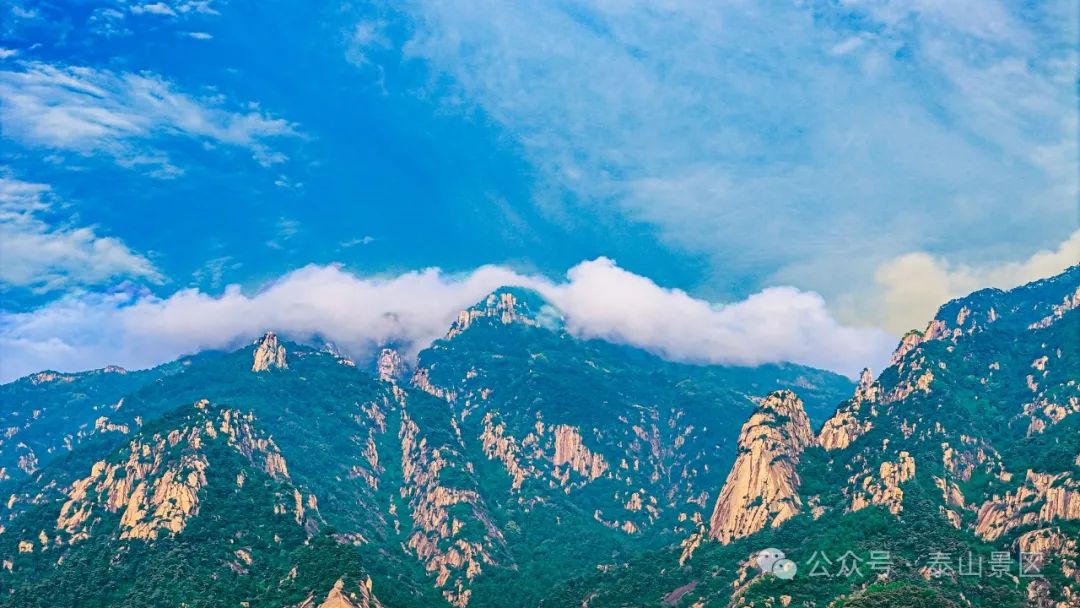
column 515, row 464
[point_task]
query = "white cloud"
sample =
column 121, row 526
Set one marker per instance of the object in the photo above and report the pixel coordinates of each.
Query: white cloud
column 6, row 53
column 155, row 8
column 284, row 230
column 367, row 239
column 602, row 300
column 795, row 131
column 847, row 45
column 43, row 257
column 364, row 37
column 108, row 22
column 199, row 35
column 598, row 299
column 175, row 8
column 88, row 110
column 913, row 286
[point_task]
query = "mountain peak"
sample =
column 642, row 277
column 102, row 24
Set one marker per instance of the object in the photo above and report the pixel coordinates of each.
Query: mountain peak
column 762, row 488
column 783, row 402
column 866, row 378
column 505, row 305
column 269, row 353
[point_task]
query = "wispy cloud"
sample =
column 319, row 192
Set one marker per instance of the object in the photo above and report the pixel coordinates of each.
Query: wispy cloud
column 45, row 257
column 598, row 300
column 108, row 22
column 125, row 115
column 364, row 240
column 781, row 139
column 173, row 8
column 284, row 230
column 153, row 8
column 365, row 36
column 213, row 272
column 199, row 35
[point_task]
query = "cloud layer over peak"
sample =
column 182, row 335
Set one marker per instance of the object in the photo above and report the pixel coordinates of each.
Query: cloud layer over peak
column 598, row 299
column 776, row 324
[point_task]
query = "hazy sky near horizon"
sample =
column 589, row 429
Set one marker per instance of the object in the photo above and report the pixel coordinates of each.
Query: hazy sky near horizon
column 791, row 180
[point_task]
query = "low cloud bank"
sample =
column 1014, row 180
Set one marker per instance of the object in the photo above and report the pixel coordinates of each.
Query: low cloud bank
column 777, row 324
column 136, row 329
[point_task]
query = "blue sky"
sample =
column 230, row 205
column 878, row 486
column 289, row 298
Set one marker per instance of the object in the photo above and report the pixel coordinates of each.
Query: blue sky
column 876, row 158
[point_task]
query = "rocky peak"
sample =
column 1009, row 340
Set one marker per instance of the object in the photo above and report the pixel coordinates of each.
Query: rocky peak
column 269, row 354
column 847, row 424
column 390, row 366
column 866, row 389
column 786, row 404
column 908, row 343
column 340, row 598
column 505, row 305
column 762, row 487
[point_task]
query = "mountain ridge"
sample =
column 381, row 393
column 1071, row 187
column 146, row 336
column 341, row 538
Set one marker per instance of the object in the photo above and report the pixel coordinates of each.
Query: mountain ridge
column 511, row 441
column 966, row 442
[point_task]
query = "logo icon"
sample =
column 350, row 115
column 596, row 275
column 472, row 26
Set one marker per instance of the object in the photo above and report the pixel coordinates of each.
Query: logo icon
column 772, row 561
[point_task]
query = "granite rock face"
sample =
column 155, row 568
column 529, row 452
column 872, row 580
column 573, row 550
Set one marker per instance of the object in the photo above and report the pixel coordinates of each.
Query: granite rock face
column 269, row 354
column 762, row 488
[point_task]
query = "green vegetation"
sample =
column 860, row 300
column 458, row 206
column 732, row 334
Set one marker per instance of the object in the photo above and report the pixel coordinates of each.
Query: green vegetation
column 380, row 458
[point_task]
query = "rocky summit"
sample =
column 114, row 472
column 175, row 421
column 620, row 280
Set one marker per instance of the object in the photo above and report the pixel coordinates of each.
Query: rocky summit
column 514, row 464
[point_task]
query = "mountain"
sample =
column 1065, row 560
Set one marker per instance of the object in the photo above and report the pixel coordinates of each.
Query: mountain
column 963, row 453
column 48, row 413
column 512, row 455
column 762, row 487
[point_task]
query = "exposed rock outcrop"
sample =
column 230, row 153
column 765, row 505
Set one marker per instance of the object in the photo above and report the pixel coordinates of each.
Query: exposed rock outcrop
column 339, row 598
column 421, row 379
column 438, row 539
column 390, row 366
column 1070, row 302
column 847, row 425
column 46, row 377
column 1059, row 496
column 1047, row 540
column 269, row 354
column 907, row 343
column 497, row 444
column 762, row 487
column 885, row 489
column 157, row 488
column 502, row 305
column 569, row 450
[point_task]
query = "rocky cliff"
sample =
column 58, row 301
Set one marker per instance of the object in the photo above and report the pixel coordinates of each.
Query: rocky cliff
column 269, row 354
column 762, row 488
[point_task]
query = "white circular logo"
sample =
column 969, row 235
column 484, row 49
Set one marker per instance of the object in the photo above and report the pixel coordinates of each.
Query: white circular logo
column 773, row 561
column 785, row 569
column 767, row 558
